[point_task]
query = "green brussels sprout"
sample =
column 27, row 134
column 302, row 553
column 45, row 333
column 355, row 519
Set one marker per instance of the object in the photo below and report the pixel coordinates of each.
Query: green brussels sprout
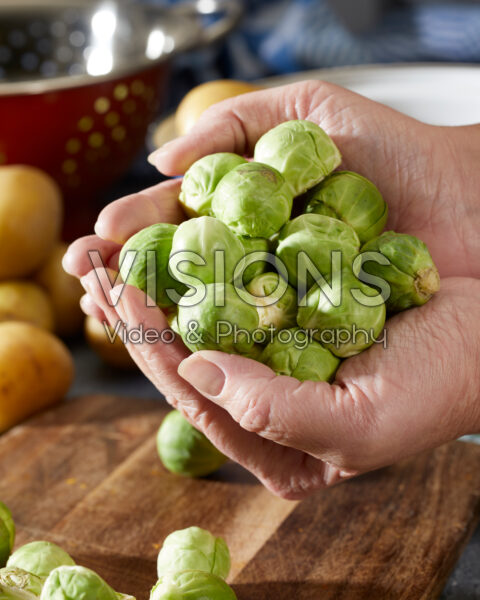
column 185, row 450
column 40, row 558
column 201, row 180
column 194, row 549
column 210, row 326
column 211, row 241
column 346, row 323
column 7, row 533
column 76, row 583
column 313, row 238
column 351, row 198
column 191, row 585
column 253, row 200
column 302, row 152
column 149, row 269
column 275, row 300
column 172, row 320
column 294, row 353
column 251, row 245
column 17, row 584
column 412, row 275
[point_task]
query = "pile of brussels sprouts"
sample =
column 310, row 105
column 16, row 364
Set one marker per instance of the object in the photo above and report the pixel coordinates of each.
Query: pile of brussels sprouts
column 43, row 571
column 298, row 293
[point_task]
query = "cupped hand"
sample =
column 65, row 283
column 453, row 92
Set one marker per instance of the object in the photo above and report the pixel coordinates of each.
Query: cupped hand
column 384, row 404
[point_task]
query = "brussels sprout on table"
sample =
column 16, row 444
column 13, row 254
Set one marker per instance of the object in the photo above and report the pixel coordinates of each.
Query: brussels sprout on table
column 302, row 152
column 311, row 239
column 149, row 269
column 294, row 353
column 7, row 533
column 345, row 323
column 76, row 583
column 253, row 200
column 412, row 275
column 275, row 301
column 194, row 549
column 40, row 558
column 17, row 584
column 191, row 585
column 185, row 450
column 201, row 180
column 351, row 198
column 251, row 247
column 200, row 245
column 215, row 322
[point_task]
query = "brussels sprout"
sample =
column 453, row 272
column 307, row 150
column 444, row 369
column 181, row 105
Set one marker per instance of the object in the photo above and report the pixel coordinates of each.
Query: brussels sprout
column 191, row 585
column 346, row 324
column 7, row 533
column 39, row 558
column 185, row 450
column 412, row 274
column 351, row 198
column 172, row 320
column 302, row 152
column 76, row 583
column 313, row 238
column 253, row 200
column 201, row 180
column 251, row 245
column 276, row 301
column 149, row 271
column 210, row 326
column 17, row 584
column 211, row 241
column 294, row 353
column 194, row 549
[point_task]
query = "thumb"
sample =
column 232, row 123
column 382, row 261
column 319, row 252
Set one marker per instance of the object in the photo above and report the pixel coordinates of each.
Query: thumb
column 323, row 420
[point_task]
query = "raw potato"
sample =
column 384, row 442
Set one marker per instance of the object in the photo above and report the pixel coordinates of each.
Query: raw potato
column 65, row 292
column 30, row 219
column 25, row 301
column 115, row 353
column 36, row 371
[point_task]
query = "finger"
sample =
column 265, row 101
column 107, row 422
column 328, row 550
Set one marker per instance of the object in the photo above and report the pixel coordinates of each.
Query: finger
column 90, row 308
column 123, row 218
column 235, row 125
column 78, row 258
column 315, row 417
column 98, row 283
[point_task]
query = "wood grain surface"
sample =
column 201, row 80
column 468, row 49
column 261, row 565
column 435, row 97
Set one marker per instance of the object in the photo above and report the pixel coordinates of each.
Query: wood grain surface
column 87, row 476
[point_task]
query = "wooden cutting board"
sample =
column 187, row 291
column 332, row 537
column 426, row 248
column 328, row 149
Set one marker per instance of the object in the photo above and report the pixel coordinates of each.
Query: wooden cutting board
column 86, row 475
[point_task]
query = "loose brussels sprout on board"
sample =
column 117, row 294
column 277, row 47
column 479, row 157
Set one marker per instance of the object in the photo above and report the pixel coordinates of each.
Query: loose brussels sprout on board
column 302, row 152
column 412, row 274
column 7, row 533
column 76, row 583
column 149, row 271
column 351, row 198
column 17, row 584
column 294, row 353
column 40, row 558
column 185, row 450
column 276, row 301
column 201, row 180
column 251, row 245
column 343, row 324
column 194, row 549
column 191, row 585
column 253, row 200
column 214, row 323
column 211, row 241
column 313, row 238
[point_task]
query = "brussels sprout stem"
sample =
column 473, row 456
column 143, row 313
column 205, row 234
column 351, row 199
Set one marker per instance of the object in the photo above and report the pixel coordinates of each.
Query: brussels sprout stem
column 427, row 282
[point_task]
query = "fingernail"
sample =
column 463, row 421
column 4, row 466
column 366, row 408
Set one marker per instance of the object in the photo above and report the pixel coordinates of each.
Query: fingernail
column 115, row 294
column 85, row 283
column 206, row 377
column 67, row 263
column 87, row 304
column 156, row 154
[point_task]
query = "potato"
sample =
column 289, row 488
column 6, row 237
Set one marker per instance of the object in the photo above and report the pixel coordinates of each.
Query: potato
column 36, row 370
column 114, row 354
column 203, row 96
column 65, row 292
column 25, row 301
column 30, row 219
